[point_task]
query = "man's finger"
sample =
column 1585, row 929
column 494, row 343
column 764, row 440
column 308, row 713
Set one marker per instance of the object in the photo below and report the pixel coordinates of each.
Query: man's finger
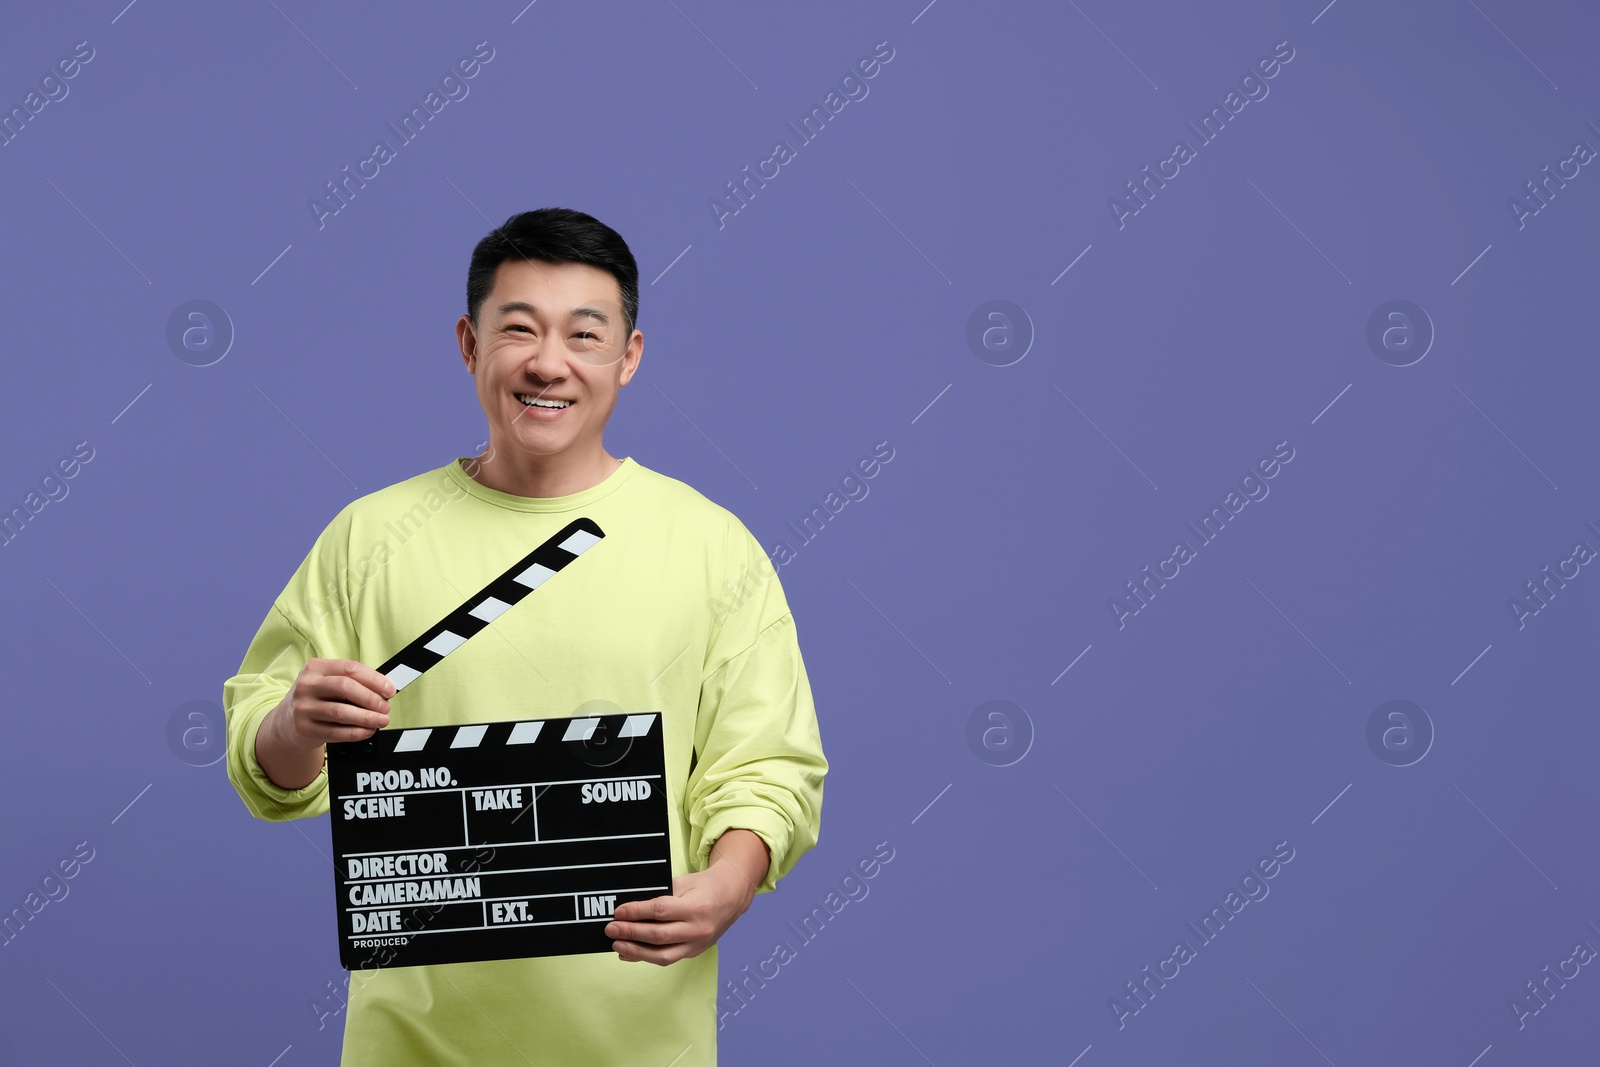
column 654, row 910
column 326, row 713
column 342, row 689
column 326, row 732
column 668, row 933
column 372, row 679
column 635, row 952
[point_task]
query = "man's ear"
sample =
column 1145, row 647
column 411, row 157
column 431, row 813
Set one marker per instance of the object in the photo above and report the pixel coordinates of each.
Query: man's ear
column 467, row 341
column 631, row 358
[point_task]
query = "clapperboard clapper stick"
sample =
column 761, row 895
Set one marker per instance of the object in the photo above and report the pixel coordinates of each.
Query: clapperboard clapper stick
column 495, row 840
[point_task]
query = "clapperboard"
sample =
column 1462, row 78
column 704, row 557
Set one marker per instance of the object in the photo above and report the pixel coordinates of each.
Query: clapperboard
column 495, row 840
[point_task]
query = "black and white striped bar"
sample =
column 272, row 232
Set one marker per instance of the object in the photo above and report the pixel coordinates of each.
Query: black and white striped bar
column 490, row 602
column 522, row 733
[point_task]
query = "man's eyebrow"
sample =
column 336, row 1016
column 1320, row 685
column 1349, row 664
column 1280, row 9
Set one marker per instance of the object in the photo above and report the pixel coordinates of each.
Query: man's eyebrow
column 582, row 311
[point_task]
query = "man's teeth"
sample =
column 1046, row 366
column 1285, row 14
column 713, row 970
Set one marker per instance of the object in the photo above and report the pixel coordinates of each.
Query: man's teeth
column 535, row 402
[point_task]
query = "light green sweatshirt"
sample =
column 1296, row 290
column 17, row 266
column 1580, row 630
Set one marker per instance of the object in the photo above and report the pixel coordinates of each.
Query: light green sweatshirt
column 676, row 610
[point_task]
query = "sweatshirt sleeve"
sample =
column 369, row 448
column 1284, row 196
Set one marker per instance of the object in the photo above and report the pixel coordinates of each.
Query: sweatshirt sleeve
column 282, row 645
column 759, row 760
column 270, row 667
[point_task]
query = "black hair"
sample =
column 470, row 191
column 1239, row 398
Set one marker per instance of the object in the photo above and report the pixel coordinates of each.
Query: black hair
column 554, row 235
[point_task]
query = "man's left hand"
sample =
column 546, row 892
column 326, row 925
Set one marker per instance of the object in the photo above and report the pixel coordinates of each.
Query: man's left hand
column 702, row 906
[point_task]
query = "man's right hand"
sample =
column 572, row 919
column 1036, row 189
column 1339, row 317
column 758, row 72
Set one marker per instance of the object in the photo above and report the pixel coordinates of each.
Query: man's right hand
column 331, row 700
column 335, row 700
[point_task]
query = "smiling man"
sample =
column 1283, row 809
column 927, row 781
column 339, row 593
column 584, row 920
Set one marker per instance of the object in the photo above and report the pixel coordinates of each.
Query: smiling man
column 550, row 339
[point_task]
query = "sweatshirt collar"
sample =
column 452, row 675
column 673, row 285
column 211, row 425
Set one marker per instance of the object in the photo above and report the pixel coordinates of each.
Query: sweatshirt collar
column 513, row 502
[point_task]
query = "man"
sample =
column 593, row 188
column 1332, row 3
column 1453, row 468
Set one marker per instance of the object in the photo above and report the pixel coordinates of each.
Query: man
column 677, row 610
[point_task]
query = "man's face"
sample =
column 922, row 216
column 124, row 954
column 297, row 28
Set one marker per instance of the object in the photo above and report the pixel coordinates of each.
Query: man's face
column 549, row 332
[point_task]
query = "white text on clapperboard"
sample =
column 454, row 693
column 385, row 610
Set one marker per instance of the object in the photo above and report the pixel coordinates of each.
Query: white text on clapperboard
column 461, row 888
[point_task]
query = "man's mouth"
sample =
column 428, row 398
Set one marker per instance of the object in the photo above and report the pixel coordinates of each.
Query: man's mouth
column 529, row 400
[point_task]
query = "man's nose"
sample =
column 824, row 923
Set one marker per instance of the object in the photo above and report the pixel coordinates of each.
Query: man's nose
column 550, row 361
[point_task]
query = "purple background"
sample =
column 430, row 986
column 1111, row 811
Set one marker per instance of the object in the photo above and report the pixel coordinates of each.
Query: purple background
column 829, row 314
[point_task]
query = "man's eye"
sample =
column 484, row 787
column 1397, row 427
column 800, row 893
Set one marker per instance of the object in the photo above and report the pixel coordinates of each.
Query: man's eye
column 518, row 326
column 586, row 334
